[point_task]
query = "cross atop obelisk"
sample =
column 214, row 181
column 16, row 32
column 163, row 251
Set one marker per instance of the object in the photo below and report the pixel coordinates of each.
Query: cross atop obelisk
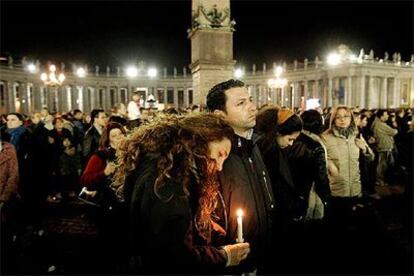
column 211, row 37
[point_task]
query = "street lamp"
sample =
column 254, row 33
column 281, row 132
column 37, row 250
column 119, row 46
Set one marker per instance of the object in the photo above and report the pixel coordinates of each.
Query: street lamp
column 238, row 73
column 81, row 72
column 132, row 72
column 278, row 83
column 152, row 72
column 50, row 79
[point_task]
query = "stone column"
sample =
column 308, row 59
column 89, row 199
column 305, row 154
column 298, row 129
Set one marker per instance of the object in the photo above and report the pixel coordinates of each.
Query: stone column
column 81, row 98
column 175, row 97
column 73, row 97
column 70, row 101
column 315, row 90
column 395, row 103
column 329, row 100
column 337, row 85
column 348, row 100
column 63, row 106
column 10, row 96
column 411, row 95
column 108, row 103
column 37, row 104
column 86, row 99
column 371, row 96
column 296, row 95
column 384, row 93
column 23, row 97
column 305, row 91
column 186, row 99
column 361, row 99
column 61, row 98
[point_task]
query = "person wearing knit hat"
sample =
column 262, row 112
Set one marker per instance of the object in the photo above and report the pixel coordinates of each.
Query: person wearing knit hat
column 279, row 128
column 283, row 115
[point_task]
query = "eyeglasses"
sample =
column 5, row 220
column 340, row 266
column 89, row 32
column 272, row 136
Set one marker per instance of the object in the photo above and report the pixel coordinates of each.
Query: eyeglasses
column 342, row 117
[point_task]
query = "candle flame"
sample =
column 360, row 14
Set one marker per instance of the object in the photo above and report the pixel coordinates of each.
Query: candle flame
column 239, row 212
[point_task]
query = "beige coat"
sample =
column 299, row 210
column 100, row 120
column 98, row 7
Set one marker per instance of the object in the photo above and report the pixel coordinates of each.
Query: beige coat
column 343, row 162
column 384, row 134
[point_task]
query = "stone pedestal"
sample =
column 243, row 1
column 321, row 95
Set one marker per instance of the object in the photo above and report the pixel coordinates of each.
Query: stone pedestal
column 211, row 46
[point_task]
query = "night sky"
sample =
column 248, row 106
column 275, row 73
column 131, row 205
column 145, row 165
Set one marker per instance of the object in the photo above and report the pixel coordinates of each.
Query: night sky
column 117, row 33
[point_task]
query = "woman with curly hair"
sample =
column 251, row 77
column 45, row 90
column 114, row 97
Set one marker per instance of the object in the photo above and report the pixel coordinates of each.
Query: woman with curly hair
column 170, row 171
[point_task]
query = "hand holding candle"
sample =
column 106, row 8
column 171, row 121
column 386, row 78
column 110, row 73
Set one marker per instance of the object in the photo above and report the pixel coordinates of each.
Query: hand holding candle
column 239, row 214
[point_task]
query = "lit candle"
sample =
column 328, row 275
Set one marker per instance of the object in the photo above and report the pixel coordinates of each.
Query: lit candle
column 239, row 214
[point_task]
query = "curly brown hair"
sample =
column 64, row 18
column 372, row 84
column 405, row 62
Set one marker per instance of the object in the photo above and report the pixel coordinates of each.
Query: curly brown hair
column 182, row 144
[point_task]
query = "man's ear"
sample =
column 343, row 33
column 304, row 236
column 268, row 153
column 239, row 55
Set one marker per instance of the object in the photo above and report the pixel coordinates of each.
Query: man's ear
column 219, row 113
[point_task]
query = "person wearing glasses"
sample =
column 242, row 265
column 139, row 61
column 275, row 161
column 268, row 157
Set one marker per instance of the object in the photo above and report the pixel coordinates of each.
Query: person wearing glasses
column 343, row 149
column 348, row 213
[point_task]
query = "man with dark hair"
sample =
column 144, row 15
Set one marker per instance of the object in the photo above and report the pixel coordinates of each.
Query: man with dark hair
column 244, row 178
column 384, row 135
column 93, row 134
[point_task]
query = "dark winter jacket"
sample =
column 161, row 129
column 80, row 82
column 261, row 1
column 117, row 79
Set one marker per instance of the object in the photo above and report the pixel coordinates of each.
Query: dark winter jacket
column 163, row 234
column 288, row 201
column 90, row 143
column 307, row 163
column 246, row 184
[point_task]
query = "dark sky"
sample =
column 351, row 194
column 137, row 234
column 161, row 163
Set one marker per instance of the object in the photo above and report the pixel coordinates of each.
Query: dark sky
column 117, row 33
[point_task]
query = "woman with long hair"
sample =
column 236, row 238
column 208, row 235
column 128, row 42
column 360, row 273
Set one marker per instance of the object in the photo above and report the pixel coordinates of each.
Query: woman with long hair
column 355, row 225
column 170, row 167
column 97, row 180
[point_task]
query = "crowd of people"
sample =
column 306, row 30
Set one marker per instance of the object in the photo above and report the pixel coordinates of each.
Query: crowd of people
column 169, row 183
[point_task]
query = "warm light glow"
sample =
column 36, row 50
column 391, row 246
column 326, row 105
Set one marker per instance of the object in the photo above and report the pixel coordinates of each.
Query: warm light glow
column 152, row 72
column 277, row 82
column 238, row 73
column 80, row 72
column 51, row 78
column 239, row 212
column 43, row 77
column 61, row 77
column 31, row 68
column 353, row 57
column 333, row 59
column 278, row 71
column 132, row 72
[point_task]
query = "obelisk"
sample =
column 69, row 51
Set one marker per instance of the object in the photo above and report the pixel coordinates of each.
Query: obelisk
column 211, row 37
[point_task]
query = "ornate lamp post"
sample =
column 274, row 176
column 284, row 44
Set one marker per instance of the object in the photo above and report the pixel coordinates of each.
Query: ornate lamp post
column 278, row 83
column 50, row 79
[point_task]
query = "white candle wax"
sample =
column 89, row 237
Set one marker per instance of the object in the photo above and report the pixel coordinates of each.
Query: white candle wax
column 239, row 226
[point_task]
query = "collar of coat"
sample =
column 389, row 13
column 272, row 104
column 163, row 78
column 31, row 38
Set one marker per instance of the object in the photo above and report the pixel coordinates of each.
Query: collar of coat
column 242, row 144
